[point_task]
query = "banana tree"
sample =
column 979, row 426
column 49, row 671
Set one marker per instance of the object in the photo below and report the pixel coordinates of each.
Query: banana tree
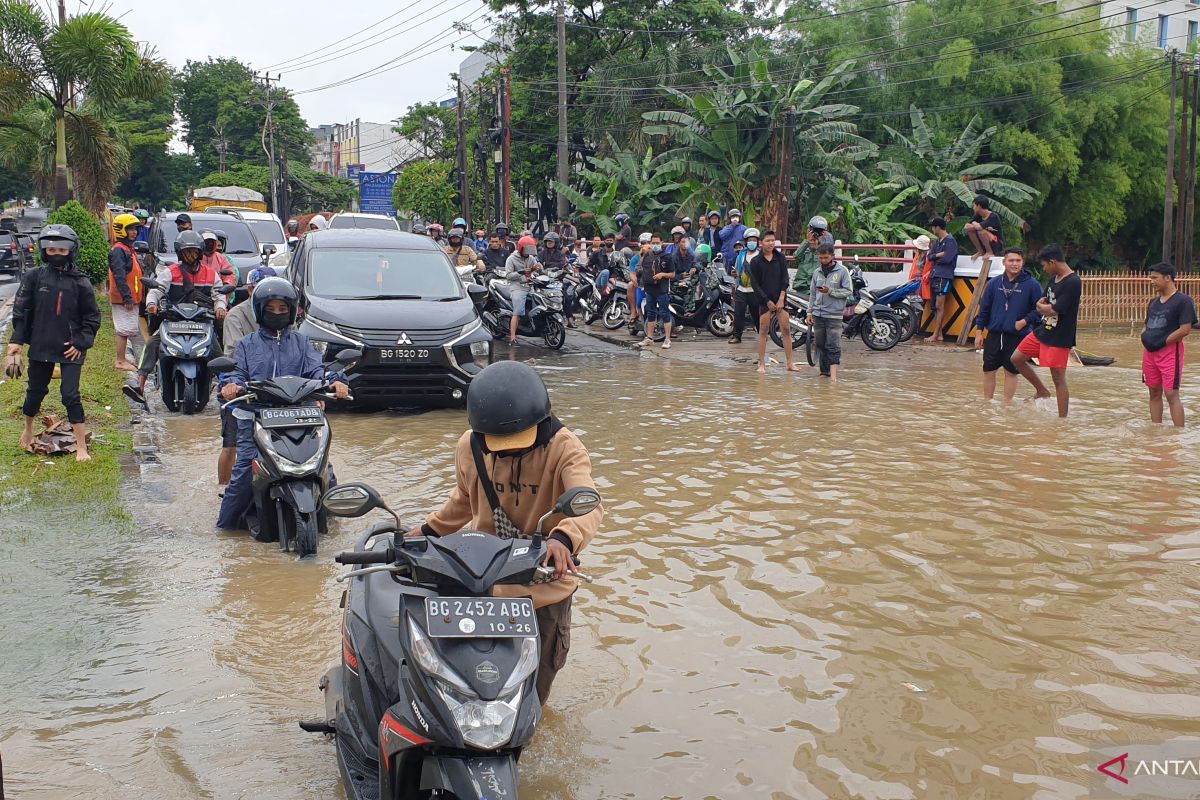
column 949, row 177
column 868, row 219
column 80, row 67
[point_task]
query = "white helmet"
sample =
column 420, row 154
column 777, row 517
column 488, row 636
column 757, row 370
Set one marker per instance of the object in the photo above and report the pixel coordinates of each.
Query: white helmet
column 819, row 222
column 644, row 238
column 752, row 233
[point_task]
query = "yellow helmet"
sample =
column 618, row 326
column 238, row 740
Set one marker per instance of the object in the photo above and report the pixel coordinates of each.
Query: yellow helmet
column 122, row 223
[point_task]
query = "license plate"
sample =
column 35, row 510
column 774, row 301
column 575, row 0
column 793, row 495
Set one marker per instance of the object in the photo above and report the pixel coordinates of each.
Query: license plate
column 480, row 617
column 404, row 354
column 186, row 327
column 289, row 417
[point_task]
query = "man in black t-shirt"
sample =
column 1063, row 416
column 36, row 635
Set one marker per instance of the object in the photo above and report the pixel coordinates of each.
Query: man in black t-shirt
column 1052, row 340
column 769, row 279
column 984, row 230
column 1169, row 319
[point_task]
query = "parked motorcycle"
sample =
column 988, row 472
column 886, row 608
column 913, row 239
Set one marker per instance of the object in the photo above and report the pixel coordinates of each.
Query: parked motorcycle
column 435, row 695
column 905, row 301
column 703, row 296
column 187, row 339
column 543, row 311
column 292, row 468
column 875, row 322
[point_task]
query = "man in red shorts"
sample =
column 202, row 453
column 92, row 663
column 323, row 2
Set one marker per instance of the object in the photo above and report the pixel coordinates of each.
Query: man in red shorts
column 1052, row 340
column 1169, row 319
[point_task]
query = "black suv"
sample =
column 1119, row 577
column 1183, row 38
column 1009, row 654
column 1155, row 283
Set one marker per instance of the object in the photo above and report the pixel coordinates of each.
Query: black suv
column 13, row 258
column 398, row 298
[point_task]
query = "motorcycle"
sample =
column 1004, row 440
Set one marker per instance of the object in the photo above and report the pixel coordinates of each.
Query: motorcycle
column 873, row 321
column 703, row 295
column 292, row 468
column 435, row 693
column 543, row 311
column 905, row 301
column 187, row 338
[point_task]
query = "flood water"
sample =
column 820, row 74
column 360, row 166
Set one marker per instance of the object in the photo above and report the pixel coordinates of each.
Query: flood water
column 883, row 589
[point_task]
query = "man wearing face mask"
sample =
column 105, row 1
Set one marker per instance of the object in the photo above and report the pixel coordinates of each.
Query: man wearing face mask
column 743, row 294
column 188, row 281
column 55, row 314
column 271, row 351
column 731, row 233
column 654, row 276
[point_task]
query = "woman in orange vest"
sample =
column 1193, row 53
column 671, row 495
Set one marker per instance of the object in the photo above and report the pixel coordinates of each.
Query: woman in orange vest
column 922, row 269
column 125, row 289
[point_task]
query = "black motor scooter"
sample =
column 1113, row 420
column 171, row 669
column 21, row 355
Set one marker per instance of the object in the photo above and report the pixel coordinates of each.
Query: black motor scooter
column 543, row 311
column 292, row 468
column 435, row 694
column 187, row 339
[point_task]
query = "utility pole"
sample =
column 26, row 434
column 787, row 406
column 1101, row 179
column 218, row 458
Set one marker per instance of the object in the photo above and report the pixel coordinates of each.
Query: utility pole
column 464, row 184
column 269, row 132
column 785, row 176
column 1169, row 193
column 221, row 144
column 563, row 176
column 1181, row 174
column 1189, row 232
column 507, row 84
column 285, row 196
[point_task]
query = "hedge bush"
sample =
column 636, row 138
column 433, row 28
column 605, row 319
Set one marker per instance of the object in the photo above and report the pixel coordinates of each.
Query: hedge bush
column 93, row 244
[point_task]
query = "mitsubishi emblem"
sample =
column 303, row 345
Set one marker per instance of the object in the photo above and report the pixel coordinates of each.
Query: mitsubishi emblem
column 404, row 339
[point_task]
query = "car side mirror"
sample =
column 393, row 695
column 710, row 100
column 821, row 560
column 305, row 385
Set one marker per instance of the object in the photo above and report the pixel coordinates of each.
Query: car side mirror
column 478, row 294
column 222, row 364
column 268, row 250
column 351, row 500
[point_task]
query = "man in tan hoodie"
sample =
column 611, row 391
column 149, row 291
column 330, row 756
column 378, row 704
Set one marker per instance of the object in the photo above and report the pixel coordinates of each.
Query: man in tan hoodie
column 510, row 468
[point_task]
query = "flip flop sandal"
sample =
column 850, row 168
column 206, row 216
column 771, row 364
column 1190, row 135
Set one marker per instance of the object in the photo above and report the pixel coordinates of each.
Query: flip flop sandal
column 133, row 394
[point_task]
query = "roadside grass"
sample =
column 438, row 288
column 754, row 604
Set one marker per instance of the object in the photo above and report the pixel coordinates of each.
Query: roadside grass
column 40, row 480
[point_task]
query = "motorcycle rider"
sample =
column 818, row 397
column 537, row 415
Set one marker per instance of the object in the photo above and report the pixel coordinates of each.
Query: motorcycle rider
column 686, row 224
column 516, row 442
column 239, row 323
column 187, row 281
column 125, row 288
column 551, row 256
column 214, row 258
column 495, row 255
column 731, row 233
column 56, row 315
column 806, row 256
column 711, row 235
column 460, row 252
column 273, row 350
column 744, row 302
column 436, row 233
column 481, row 241
column 503, row 231
column 183, row 222
column 293, row 233
column 624, row 231
column 518, row 269
column 144, row 218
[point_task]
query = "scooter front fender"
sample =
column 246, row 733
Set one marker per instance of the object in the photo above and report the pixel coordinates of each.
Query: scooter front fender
column 486, row 778
column 301, row 495
column 188, row 369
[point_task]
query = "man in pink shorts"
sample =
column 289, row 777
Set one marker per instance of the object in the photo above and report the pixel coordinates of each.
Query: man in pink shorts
column 1052, row 340
column 1169, row 319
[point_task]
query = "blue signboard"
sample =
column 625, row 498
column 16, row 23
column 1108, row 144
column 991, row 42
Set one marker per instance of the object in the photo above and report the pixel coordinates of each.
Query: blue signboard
column 375, row 191
column 353, row 171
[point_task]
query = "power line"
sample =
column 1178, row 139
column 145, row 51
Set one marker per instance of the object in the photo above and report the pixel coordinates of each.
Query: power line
column 779, row 21
column 344, row 38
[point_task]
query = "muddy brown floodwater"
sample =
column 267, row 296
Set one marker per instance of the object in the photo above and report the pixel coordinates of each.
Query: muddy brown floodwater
column 884, row 589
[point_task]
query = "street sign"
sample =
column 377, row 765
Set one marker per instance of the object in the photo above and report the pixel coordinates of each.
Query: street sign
column 353, row 171
column 375, row 192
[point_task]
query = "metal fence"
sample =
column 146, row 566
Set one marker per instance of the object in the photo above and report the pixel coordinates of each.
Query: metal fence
column 1122, row 296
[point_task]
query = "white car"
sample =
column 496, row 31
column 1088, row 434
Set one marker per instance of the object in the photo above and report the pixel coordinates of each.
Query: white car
column 266, row 227
column 347, row 220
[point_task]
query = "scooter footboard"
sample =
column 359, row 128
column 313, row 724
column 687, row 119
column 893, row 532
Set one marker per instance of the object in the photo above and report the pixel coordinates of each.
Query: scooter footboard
column 486, row 778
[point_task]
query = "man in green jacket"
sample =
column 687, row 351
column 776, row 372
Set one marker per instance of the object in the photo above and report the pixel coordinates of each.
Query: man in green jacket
column 806, row 256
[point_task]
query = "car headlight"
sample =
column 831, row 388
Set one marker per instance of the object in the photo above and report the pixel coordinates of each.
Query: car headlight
column 262, row 438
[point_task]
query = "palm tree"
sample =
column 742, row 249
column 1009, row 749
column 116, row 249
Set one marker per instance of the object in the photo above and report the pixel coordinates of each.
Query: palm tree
column 79, row 67
column 948, row 176
column 725, row 133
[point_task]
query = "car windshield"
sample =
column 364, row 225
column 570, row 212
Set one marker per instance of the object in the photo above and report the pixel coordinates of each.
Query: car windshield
column 240, row 240
column 382, row 274
column 364, row 223
column 266, row 230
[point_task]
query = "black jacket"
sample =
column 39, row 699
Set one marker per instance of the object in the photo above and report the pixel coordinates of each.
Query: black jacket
column 54, row 307
column 494, row 259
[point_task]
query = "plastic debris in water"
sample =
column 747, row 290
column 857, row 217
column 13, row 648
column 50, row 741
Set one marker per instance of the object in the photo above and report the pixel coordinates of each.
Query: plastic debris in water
column 912, row 687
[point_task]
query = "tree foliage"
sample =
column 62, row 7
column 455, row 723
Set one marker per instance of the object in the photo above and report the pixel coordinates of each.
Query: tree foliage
column 424, row 188
column 93, row 243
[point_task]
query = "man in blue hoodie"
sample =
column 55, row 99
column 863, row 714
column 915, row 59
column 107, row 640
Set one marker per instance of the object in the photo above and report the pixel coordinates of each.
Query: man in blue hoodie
column 1007, row 312
column 735, row 231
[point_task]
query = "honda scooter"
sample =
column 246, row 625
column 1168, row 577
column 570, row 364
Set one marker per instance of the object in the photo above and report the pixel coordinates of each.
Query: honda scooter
column 435, row 694
column 543, row 311
column 292, row 468
column 187, row 339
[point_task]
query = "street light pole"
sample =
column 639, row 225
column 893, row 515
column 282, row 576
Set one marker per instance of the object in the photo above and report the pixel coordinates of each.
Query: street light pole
column 560, row 18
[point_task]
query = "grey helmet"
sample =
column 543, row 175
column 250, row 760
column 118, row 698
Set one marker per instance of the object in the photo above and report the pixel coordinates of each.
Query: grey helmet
column 819, row 223
column 644, row 238
column 735, row 212
column 188, row 240
column 552, row 237
column 58, row 236
column 751, row 233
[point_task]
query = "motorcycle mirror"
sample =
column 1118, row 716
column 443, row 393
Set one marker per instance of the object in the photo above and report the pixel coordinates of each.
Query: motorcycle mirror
column 351, row 500
column 268, row 250
column 227, row 272
column 141, row 248
column 578, row 502
column 227, row 289
column 349, row 355
column 150, row 283
column 222, row 364
column 293, row 244
column 477, row 293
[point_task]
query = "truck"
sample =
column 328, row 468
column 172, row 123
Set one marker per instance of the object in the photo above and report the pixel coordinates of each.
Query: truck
column 228, row 196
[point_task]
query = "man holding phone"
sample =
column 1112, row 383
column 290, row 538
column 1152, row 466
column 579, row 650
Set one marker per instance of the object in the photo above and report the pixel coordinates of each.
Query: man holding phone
column 831, row 285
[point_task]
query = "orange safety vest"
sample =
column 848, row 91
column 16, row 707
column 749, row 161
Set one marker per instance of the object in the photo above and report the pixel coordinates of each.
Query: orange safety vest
column 133, row 279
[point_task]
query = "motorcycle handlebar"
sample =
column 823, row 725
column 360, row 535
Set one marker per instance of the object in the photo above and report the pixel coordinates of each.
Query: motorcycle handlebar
column 385, row 556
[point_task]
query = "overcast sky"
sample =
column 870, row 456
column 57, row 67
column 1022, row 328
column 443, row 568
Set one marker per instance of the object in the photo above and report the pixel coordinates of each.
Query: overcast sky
column 278, row 35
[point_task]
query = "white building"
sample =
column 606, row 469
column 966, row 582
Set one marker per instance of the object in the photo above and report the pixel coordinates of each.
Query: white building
column 1173, row 24
column 476, row 65
column 372, row 145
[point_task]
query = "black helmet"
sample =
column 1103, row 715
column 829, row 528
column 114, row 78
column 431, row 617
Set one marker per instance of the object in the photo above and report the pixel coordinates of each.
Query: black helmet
column 418, row 229
column 222, row 237
column 552, row 237
column 58, row 236
column 505, row 403
column 274, row 289
column 502, row 227
column 455, row 232
column 188, row 240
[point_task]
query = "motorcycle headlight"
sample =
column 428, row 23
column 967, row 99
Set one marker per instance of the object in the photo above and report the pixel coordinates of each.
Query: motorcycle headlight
column 172, row 345
column 486, row 724
column 262, row 438
column 432, row 664
column 526, row 664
